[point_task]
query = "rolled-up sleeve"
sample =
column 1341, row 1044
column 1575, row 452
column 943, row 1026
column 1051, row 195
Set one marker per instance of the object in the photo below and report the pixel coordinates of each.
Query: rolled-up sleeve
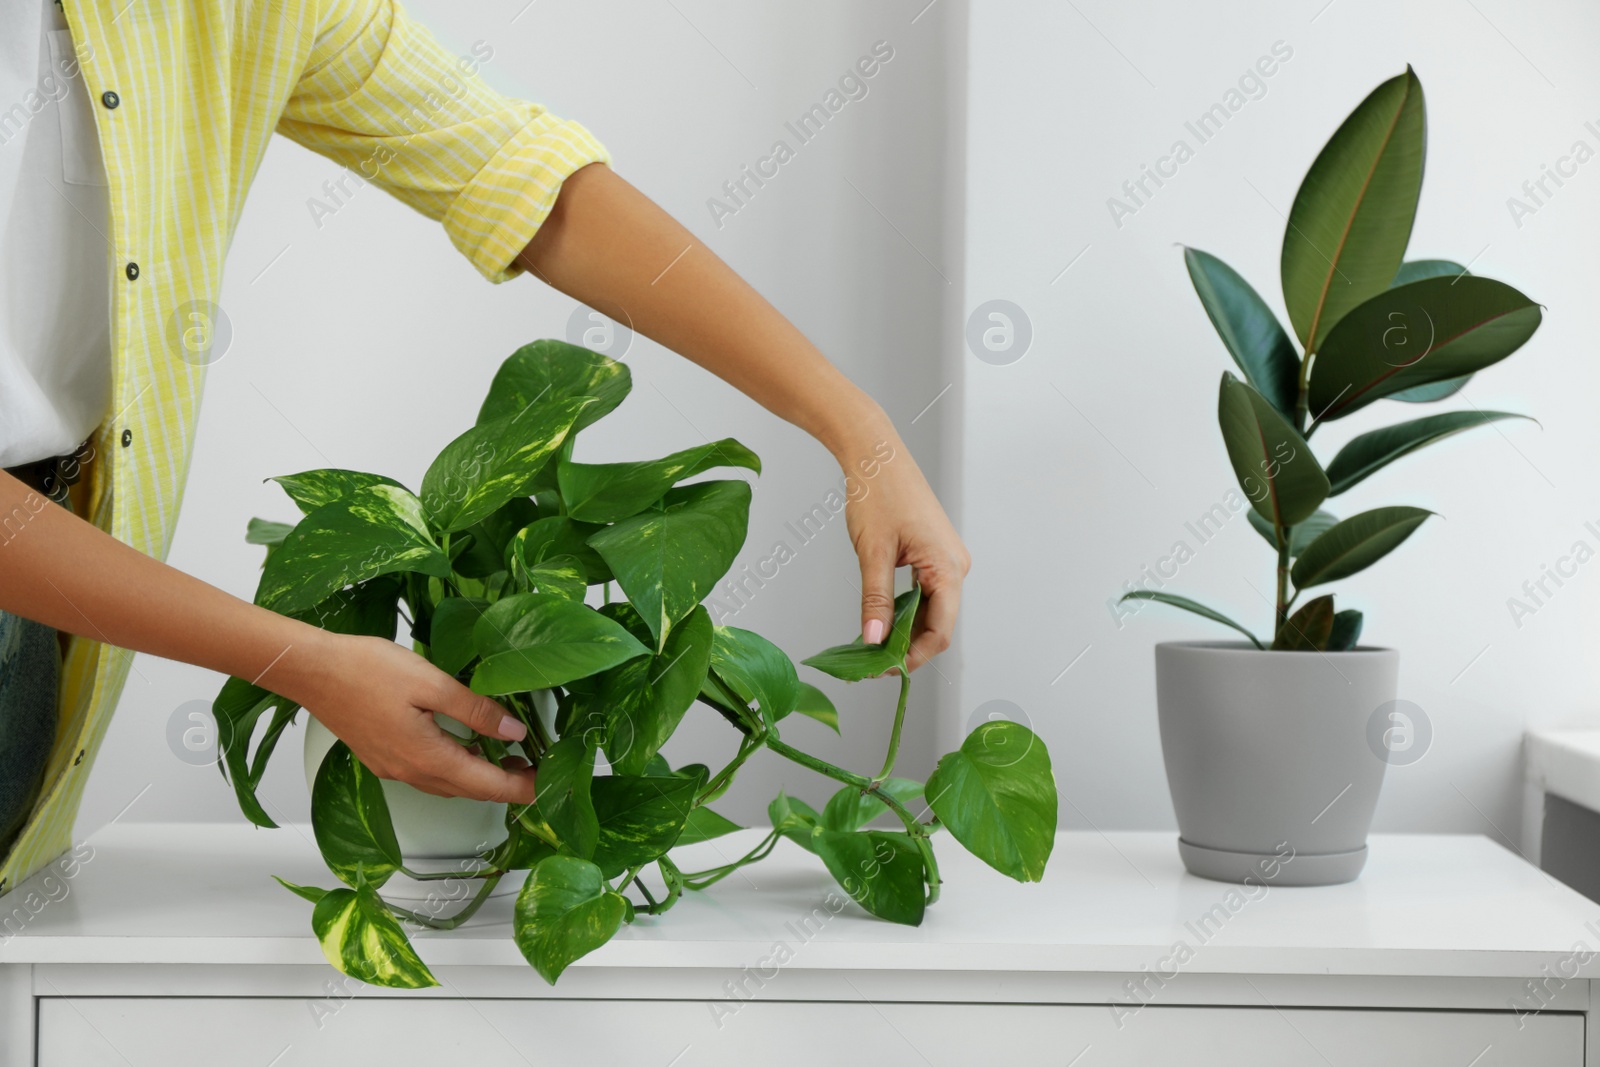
column 381, row 96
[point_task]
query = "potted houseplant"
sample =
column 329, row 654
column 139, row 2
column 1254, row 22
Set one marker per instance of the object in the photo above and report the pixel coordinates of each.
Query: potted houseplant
column 502, row 571
column 1265, row 741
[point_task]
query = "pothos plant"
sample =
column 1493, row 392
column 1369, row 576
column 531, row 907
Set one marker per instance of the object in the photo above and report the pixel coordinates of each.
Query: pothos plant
column 501, row 569
column 1369, row 326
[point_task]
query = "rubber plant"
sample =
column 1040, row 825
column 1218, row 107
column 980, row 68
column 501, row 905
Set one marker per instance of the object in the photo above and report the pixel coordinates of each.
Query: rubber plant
column 502, row 568
column 1368, row 325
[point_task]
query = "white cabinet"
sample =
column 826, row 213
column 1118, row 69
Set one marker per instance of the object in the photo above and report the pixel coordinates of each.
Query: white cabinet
column 173, row 947
column 182, row 1032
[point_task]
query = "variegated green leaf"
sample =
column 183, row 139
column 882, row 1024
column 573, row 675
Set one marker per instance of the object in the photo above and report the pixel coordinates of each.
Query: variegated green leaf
column 814, row 704
column 859, row 661
column 564, row 912
column 350, row 819
column 607, row 492
column 361, row 938
column 375, row 530
column 883, row 872
column 495, row 462
column 640, row 818
column 669, row 558
column 558, row 536
column 539, row 641
column 312, row 489
column 546, row 371
column 794, row 819
column 758, row 670
column 560, row 576
column 703, row 825
column 565, row 792
column 644, row 699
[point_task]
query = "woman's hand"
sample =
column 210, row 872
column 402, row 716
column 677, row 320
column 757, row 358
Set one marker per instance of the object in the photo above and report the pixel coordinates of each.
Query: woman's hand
column 379, row 699
column 895, row 521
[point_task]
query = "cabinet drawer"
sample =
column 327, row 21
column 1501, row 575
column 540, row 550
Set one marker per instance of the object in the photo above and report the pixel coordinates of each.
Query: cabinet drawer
column 290, row 1032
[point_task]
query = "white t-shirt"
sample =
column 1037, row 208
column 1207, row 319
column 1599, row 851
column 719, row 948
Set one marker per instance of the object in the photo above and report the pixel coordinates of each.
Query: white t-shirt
column 55, row 241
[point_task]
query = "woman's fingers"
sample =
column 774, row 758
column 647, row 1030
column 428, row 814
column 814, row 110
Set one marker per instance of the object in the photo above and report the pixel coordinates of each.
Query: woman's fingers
column 877, row 589
column 478, row 712
column 453, row 771
column 936, row 623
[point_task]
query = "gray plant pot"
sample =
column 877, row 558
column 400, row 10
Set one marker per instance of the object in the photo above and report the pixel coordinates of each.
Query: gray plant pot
column 1267, row 755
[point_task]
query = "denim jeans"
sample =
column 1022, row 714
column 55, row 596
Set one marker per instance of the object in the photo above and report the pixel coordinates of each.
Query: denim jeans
column 30, row 671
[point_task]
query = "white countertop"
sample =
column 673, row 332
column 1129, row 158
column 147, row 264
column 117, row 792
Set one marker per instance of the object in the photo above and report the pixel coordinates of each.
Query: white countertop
column 1427, row 905
column 1566, row 763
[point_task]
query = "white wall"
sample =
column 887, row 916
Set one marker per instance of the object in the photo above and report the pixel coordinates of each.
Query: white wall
column 367, row 342
column 1084, row 460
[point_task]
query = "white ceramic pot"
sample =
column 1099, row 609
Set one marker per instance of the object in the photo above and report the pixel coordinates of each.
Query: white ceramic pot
column 435, row 833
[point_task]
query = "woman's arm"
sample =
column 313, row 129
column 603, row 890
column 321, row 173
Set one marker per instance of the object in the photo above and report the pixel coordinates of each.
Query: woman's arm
column 609, row 246
column 373, row 694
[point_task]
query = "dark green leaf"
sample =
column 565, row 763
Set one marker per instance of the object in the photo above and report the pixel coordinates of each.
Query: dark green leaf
column 350, row 819
column 850, row 808
column 1427, row 394
column 1249, row 329
column 1417, row 269
column 370, row 531
column 640, row 818
column 1172, row 600
column 1346, row 630
column 312, row 489
column 1307, row 630
column 669, row 558
column 1351, row 219
column 361, row 938
column 607, row 492
column 565, row 793
column 554, row 370
column 705, row 824
column 561, row 576
column 998, row 798
column 757, row 670
column 881, row 871
column 450, row 638
column 644, row 699
column 564, row 912
column 1372, row 451
column 495, row 462
column 1355, row 544
column 1301, row 534
column 1273, row 463
column 814, row 704
column 859, row 661
column 1429, row 331
column 538, row 641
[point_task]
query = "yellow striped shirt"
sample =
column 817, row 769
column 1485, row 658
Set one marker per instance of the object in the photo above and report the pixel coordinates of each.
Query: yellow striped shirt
column 186, row 96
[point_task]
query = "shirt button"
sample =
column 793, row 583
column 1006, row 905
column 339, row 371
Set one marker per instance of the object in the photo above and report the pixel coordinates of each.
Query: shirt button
column 127, row 438
column 110, row 99
column 132, row 271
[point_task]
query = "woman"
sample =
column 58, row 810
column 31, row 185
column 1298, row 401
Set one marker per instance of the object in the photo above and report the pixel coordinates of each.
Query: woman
column 161, row 112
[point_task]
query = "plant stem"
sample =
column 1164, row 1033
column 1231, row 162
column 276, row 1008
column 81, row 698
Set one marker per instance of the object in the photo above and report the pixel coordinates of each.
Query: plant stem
column 724, row 778
column 702, row 879
column 455, row 920
column 894, row 734
column 917, row 831
column 1283, row 582
column 674, row 879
